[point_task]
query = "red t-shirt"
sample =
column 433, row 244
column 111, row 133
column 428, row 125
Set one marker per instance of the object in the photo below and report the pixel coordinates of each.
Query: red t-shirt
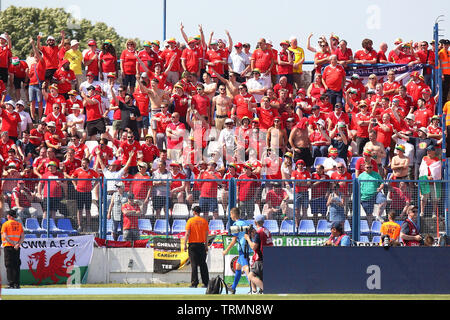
column 51, row 100
column 284, row 56
column 201, row 104
column 56, row 190
column 334, row 77
column 50, row 55
column 149, row 152
column 127, row 148
column 93, row 67
column 35, row 133
column 360, row 163
column 300, row 175
column 321, row 56
column 213, row 56
column 344, row 187
column 19, row 70
column 140, row 186
column 363, row 55
column 71, row 166
column 208, row 189
column 84, row 185
column 128, row 61
column 362, row 131
column 69, row 76
column 108, row 62
column 242, row 105
column 59, row 120
column 94, row 111
column 176, row 143
column 80, row 150
column 165, row 119
column 191, row 59
column 10, row 121
column 266, row 117
column 36, row 72
column 423, row 117
column 148, row 58
column 166, row 56
column 385, row 137
column 262, row 58
column 130, row 221
column 247, row 189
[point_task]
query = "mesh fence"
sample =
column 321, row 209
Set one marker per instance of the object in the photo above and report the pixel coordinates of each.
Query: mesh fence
column 125, row 209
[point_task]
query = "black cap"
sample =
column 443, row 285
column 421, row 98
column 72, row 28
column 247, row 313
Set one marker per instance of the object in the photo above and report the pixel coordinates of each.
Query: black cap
column 12, row 213
column 337, row 225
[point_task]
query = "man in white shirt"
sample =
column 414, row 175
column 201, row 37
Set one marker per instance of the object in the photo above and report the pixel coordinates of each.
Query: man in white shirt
column 89, row 82
column 26, row 123
column 239, row 62
column 258, row 85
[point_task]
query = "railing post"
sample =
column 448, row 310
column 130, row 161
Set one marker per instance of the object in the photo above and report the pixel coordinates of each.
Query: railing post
column 356, row 203
column 167, row 207
column 48, row 207
column 294, row 225
column 231, row 199
column 104, row 183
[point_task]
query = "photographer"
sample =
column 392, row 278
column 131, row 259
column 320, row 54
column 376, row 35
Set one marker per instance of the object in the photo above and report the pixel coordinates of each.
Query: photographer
column 410, row 232
column 261, row 238
column 338, row 237
column 243, row 249
column 391, row 229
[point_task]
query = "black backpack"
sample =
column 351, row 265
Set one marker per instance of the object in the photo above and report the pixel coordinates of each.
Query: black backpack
column 216, row 285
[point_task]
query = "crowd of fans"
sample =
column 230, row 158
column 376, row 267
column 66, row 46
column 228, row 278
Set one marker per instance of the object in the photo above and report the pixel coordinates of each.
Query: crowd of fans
column 210, row 110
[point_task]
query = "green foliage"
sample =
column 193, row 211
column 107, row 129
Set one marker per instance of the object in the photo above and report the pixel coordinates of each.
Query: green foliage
column 23, row 23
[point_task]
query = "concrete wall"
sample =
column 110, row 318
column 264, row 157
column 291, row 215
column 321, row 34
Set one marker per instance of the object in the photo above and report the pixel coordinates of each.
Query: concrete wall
column 110, row 265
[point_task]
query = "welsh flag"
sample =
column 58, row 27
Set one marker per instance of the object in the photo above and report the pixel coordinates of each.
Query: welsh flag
column 55, row 260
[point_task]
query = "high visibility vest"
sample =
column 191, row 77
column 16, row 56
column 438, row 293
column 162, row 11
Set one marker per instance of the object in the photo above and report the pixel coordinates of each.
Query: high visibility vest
column 446, row 111
column 13, row 230
column 445, row 61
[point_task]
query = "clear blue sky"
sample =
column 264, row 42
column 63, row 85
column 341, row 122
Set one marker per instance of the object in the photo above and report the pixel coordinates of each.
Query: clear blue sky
column 249, row 20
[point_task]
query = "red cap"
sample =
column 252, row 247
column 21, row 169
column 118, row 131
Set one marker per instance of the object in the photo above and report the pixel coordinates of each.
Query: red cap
column 117, row 163
column 92, row 43
column 90, row 74
column 238, row 45
column 98, row 88
column 300, row 161
column 301, row 90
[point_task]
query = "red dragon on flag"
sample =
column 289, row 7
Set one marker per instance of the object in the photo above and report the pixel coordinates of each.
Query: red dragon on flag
column 56, row 266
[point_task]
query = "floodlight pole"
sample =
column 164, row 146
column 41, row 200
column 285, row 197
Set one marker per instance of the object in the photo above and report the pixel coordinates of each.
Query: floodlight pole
column 164, row 19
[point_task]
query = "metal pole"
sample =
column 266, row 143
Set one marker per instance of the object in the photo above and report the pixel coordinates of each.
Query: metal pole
column 167, row 207
column 164, row 19
column 48, row 207
column 356, row 224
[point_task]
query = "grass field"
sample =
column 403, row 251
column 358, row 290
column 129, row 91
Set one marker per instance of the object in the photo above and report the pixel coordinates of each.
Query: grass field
column 199, row 295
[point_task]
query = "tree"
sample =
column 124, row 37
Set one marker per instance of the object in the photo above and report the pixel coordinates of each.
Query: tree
column 22, row 23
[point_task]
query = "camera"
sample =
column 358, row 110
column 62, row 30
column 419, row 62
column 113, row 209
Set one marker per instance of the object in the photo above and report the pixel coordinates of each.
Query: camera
column 247, row 229
column 386, row 241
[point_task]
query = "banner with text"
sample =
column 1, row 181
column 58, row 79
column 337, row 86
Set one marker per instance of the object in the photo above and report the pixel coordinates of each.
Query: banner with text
column 168, row 254
column 55, row 260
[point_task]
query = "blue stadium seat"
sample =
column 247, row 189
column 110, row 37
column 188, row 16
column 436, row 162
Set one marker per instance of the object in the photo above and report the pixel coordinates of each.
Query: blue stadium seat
column 120, row 238
column 376, row 239
column 363, row 239
column 144, row 224
column 318, row 160
column 66, row 226
column 52, row 226
column 160, row 226
column 347, row 227
column 216, row 225
column 31, row 235
column 364, row 227
column 323, row 228
column 62, row 235
column 375, row 228
column 287, row 227
column 44, row 235
column 272, row 226
column 178, row 225
column 32, row 225
column 306, row 227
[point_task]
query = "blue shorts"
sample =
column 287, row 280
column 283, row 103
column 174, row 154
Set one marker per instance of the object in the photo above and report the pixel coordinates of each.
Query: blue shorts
column 301, row 200
column 319, row 205
column 242, row 260
column 144, row 123
column 35, row 93
column 208, row 205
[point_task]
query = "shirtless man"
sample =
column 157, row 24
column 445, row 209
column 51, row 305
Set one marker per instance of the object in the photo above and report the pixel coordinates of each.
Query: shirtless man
column 231, row 84
column 378, row 150
column 157, row 96
column 299, row 140
column 222, row 104
column 400, row 164
column 277, row 137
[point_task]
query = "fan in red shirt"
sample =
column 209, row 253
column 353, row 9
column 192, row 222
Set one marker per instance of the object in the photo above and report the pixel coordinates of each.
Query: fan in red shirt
column 37, row 134
column 142, row 185
column 284, row 84
column 385, row 130
column 149, row 57
column 54, row 137
column 10, row 120
column 266, row 114
column 338, row 115
column 208, row 189
column 57, row 117
column 262, row 58
column 17, row 69
column 304, row 103
column 51, row 97
column 405, row 101
column 190, row 58
column 81, row 149
column 50, row 54
column 215, row 60
column 247, row 187
column 333, row 77
column 361, row 162
column 366, row 55
column 241, row 104
column 390, row 87
column 415, row 87
column 430, row 102
column 301, row 188
column 108, row 60
column 361, row 122
column 70, row 164
column 322, row 58
column 65, row 77
column 52, row 181
column 92, row 102
column 356, row 84
column 166, row 57
column 201, row 102
column 128, row 65
column 149, row 150
column 178, row 186
column 422, row 115
column 73, row 100
column 324, row 104
column 180, row 101
column 127, row 148
column 84, row 187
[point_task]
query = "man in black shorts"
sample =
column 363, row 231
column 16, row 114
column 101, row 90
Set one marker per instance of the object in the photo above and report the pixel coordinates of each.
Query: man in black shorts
column 95, row 123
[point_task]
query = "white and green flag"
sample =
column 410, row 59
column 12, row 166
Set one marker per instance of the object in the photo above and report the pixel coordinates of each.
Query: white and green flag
column 55, row 260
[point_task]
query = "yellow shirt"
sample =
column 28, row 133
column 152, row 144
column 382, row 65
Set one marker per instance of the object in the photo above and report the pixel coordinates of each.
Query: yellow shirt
column 299, row 54
column 392, row 229
column 76, row 59
column 446, row 111
column 13, row 229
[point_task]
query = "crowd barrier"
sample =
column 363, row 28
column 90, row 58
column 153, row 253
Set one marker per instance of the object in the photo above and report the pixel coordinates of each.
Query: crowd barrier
column 54, row 208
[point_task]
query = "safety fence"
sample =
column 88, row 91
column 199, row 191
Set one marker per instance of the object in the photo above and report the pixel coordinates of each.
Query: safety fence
column 124, row 209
